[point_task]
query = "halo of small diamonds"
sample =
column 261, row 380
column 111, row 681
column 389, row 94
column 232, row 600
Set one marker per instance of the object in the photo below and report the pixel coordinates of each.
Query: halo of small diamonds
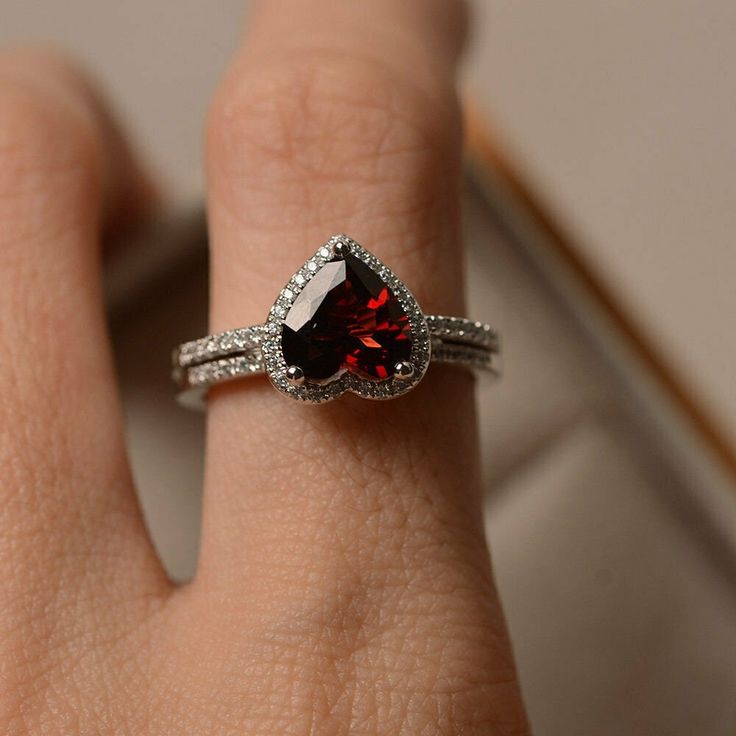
column 270, row 342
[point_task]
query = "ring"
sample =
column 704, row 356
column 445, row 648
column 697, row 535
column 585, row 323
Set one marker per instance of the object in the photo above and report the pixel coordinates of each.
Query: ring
column 343, row 323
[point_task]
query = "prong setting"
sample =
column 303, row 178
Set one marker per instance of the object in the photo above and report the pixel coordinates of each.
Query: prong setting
column 294, row 375
column 340, row 249
column 403, row 370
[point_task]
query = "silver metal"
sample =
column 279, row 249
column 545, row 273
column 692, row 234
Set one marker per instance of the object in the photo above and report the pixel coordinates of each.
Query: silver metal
column 341, row 248
column 295, row 375
column 246, row 351
column 234, row 342
column 403, row 370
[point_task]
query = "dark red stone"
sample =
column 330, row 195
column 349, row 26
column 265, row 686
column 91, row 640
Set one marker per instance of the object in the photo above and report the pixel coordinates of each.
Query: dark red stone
column 346, row 317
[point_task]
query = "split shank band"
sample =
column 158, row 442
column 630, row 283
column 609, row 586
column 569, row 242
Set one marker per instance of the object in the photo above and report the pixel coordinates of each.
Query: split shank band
column 344, row 322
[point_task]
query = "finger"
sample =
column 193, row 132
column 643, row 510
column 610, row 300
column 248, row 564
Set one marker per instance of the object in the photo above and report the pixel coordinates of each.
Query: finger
column 71, row 536
column 341, row 117
column 311, row 134
column 354, row 517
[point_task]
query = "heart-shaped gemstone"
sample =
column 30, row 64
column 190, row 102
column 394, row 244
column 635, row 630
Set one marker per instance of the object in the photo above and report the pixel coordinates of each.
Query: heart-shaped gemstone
column 346, row 317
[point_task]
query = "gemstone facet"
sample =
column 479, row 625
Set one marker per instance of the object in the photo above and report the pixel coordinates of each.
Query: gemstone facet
column 346, row 318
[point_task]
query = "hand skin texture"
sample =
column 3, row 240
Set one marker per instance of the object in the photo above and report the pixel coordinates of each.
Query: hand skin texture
column 344, row 584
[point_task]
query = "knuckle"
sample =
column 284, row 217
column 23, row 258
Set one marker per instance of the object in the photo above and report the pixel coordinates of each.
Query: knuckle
column 325, row 119
column 50, row 168
column 44, row 140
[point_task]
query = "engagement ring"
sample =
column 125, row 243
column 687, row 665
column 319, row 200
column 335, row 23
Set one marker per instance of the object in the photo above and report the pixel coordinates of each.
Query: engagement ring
column 344, row 322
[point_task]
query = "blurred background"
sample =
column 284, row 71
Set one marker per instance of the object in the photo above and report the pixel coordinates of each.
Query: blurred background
column 611, row 510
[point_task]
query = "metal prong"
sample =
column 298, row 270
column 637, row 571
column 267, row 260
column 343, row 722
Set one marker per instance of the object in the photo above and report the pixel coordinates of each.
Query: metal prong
column 295, row 375
column 341, row 249
column 403, row 370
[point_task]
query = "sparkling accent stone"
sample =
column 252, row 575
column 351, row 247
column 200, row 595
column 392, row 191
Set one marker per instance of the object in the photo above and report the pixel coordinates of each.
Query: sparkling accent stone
column 346, row 318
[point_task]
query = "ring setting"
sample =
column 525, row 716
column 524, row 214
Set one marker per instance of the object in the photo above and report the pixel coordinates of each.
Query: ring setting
column 344, row 322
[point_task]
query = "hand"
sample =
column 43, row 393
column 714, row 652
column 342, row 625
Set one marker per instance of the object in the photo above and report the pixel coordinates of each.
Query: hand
column 344, row 584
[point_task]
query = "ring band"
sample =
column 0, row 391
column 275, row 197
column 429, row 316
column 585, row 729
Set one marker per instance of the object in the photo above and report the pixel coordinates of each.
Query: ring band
column 344, row 322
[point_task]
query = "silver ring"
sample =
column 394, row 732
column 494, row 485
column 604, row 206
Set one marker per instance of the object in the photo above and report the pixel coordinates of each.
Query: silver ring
column 343, row 322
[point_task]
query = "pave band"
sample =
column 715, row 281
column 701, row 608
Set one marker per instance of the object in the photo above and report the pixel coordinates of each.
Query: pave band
column 226, row 356
column 344, row 322
column 233, row 342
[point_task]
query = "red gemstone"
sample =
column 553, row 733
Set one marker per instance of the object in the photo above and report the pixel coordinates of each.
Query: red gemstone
column 346, row 317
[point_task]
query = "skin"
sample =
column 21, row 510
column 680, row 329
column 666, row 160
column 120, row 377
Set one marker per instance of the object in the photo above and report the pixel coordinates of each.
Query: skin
column 344, row 584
